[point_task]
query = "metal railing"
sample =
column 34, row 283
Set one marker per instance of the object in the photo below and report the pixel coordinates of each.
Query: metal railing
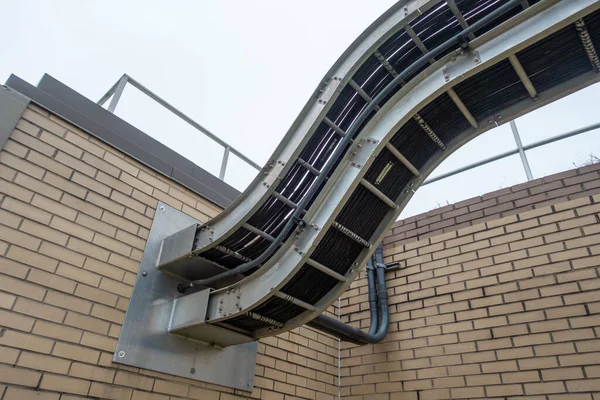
column 519, row 150
column 117, row 90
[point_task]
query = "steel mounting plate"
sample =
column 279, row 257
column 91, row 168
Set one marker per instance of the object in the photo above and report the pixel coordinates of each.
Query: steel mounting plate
column 145, row 342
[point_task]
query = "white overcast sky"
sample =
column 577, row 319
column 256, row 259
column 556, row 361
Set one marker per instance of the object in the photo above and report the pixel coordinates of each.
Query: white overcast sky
column 244, row 70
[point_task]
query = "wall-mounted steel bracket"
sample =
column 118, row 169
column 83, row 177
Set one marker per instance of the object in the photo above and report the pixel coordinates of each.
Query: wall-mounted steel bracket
column 145, row 341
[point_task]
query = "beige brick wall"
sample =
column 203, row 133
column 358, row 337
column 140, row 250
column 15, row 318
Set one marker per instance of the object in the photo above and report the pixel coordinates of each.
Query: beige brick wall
column 74, row 217
column 497, row 308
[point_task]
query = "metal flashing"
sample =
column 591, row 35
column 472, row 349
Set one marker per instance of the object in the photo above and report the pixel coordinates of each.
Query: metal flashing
column 149, row 338
column 12, row 107
column 63, row 101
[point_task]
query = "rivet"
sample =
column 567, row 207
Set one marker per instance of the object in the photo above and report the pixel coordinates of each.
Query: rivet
column 121, row 354
column 144, row 273
column 162, row 208
column 193, row 371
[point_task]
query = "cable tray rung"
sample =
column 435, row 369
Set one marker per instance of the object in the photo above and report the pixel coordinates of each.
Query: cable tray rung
column 325, row 270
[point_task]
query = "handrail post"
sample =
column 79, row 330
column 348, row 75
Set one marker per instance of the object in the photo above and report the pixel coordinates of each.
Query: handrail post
column 117, row 95
column 224, row 162
column 526, row 167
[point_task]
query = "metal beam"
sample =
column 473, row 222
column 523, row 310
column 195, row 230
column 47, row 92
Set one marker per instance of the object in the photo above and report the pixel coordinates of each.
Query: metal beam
column 309, row 167
column 380, row 195
column 224, row 163
column 328, row 271
column 526, row 167
column 285, row 200
column 415, row 38
column 258, row 232
column 333, row 126
column 293, row 300
column 459, row 17
column 514, row 61
column 463, row 109
column 361, row 92
column 117, row 94
column 403, row 160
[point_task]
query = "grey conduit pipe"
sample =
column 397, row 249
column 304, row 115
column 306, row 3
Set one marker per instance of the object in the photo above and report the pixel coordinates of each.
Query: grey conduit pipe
column 377, row 297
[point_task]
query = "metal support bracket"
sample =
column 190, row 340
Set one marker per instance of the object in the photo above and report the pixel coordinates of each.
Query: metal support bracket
column 145, row 341
column 327, row 89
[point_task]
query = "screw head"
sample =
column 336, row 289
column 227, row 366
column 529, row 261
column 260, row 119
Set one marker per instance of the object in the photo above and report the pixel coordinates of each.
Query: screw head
column 162, row 208
column 121, row 354
column 144, row 273
column 193, row 371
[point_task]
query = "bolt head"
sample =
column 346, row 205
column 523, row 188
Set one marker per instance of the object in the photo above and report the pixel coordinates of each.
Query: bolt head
column 144, row 273
column 193, row 371
column 162, row 208
column 121, row 354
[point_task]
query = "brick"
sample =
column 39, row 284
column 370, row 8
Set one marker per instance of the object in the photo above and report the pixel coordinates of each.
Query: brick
column 49, row 164
column 18, row 376
column 521, row 376
column 561, row 374
column 76, row 353
column 43, row 232
column 96, row 295
column 579, row 359
column 13, row 393
column 21, row 288
column 572, row 334
column 91, row 184
column 503, row 390
column 171, row 388
column 134, row 380
column 538, row 363
column 68, row 302
column 585, row 385
column 107, row 313
column 65, row 185
column 16, row 191
column 467, row 393
column 544, row 388
column 137, row 395
column 499, row 366
column 62, row 254
column 81, row 205
column 78, row 274
column 528, row 340
column 110, row 392
column 101, row 164
column 21, row 165
column 198, row 393
column 39, row 310
column 510, row 354
column 16, row 321
column 44, row 363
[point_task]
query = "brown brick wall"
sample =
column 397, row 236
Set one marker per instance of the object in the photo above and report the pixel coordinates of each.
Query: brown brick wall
column 490, row 308
column 74, row 217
